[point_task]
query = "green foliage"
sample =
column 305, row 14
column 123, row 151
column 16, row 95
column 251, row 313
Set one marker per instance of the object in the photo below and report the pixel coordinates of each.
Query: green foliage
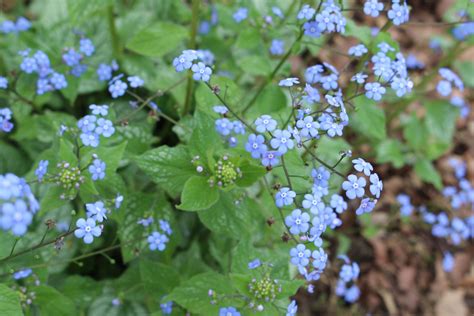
column 9, row 301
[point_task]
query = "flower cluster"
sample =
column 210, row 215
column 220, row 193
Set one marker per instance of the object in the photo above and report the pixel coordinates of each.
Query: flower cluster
column 197, row 61
column 157, row 240
column 94, row 125
column 17, row 204
column 328, row 20
column 456, row 226
column 20, row 25
column 445, row 88
column 348, row 274
column 73, row 57
column 39, row 63
column 118, row 87
column 5, row 116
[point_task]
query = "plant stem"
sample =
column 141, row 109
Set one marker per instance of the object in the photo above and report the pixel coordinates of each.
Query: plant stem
column 230, row 110
column 113, row 31
column 308, row 150
column 192, row 45
column 274, row 72
column 37, row 246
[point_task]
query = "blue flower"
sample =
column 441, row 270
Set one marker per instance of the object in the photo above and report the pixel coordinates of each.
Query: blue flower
column 102, row 110
column 354, row 186
column 270, row 158
column 352, row 294
column 374, row 91
column 228, row 311
column 254, row 264
column 292, row 309
column 184, row 61
column 22, row 274
column 3, row 83
column 97, row 169
column 145, row 222
column 398, row 13
column 366, row 206
column 311, row 95
column 406, row 207
column 239, row 127
column 58, row 81
column 444, row 88
column 311, row 29
column 86, row 46
column 104, row 127
column 256, row 146
column 166, row 308
column 220, row 109
column 320, row 176
column 281, row 141
column 308, row 127
column 224, row 126
column 288, row 82
column 297, row 222
column 201, row 72
column 118, row 200
column 78, row 70
column 90, row 139
column 284, row 196
column 15, row 216
column 157, row 241
column 329, row 82
column 306, row 13
column 448, row 261
column 362, row 166
column 277, row 47
column 43, row 86
column 71, row 57
column 320, row 259
column 325, row 21
column 240, row 15
column 358, row 50
column 265, row 123
column 117, row 88
column 135, row 81
column 96, row 211
column 29, row 65
column 401, row 85
column 359, row 78
column 319, row 190
column 373, row 8
column 313, row 202
column 338, row 203
column 349, row 272
column 376, row 185
column 42, row 169
column 165, row 226
column 104, row 72
column 300, row 255
column 331, row 127
column 313, row 73
column 87, row 230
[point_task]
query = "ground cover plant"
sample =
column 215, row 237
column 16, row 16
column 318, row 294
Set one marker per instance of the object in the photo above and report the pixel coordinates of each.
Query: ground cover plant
column 236, row 157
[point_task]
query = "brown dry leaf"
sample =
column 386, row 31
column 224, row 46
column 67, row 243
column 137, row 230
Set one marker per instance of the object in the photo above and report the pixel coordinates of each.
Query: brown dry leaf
column 451, row 303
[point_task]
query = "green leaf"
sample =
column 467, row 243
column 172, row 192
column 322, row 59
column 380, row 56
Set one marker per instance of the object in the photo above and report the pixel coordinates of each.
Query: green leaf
column 158, row 279
column 441, row 120
column 205, row 141
column 415, row 133
column 193, row 294
column 157, row 39
column 369, row 119
column 227, row 217
column 9, row 302
column 198, row 195
column 427, row 172
column 170, row 167
column 250, row 173
column 51, row 302
column 391, row 150
column 255, row 65
column 271, row 100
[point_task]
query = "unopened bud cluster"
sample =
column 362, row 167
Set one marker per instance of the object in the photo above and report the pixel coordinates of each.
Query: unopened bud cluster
column 226, row 173
column 70, row 178
column 264, row 289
